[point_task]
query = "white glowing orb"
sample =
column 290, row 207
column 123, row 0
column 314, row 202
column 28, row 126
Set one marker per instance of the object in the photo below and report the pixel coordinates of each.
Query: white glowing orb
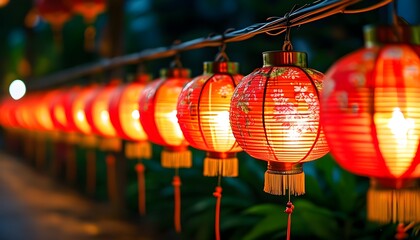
column 17, row 89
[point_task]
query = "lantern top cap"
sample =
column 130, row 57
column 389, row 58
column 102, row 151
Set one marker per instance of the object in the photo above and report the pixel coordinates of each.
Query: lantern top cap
column 175, row 73
column 282, row 58
column 221, row 67
column 378, row 35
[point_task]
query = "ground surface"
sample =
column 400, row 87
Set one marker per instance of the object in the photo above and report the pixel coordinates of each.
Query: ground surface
column 35, row 207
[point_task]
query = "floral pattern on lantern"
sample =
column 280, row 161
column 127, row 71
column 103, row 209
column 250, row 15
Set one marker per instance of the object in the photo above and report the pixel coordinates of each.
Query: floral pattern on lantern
column 203, row 115
column 158, row 112
column 274, row 116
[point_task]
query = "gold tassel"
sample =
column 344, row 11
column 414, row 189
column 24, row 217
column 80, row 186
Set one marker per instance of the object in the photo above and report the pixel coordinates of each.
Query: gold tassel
column 89, row 141
column 226, row 167
column 110, row 144
column 279, row 184
column 135, row 150
column 176, row 159
column 393, row 205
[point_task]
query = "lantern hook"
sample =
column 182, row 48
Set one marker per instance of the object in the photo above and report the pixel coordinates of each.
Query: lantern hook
column 222, row 56
column 176, row 63
column 287, row 44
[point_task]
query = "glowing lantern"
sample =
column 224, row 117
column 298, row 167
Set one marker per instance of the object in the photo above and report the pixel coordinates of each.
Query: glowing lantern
column 89, row 9
column 203, row 114
column 97, row 115
column 96, row 111
column 76, row 109
column 371, row 116
column 274, row 116
column 77, row 118
column 125, row 117
column 42, row 110
column 158, row 103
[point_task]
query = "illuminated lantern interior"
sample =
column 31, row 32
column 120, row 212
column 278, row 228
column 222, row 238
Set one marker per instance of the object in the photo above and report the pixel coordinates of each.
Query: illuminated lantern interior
column 125, row 117
column 371, row 114
column 158, row 111
column 274, row 117
column 203, row 113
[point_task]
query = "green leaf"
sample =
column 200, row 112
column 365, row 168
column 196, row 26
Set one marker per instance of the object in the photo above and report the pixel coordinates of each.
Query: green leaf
column 319, row 222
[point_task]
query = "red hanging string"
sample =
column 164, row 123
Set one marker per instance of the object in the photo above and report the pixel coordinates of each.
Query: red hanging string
column 91, row 171
column 176, row 183
column 111, row 177
column 289, row 211
column 141, row 188
column 218, row 195
column 402, row 231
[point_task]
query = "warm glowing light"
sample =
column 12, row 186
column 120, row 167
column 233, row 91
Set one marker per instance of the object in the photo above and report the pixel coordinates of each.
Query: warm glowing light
column 135, row 114
column 17, row 89
column 104, row 115
column 80, row 115
column 400, row 127
column 222, row 121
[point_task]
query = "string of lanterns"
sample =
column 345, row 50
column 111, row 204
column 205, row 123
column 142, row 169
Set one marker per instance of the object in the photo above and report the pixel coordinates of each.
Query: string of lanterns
column 365, row 110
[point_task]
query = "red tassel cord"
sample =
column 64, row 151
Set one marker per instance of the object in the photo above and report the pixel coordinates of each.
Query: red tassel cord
column 111, row 177
column 402, row 231
column 176, row 183
column 218, row 195
column 141, row 188
column 289, row 211
column 90, row 171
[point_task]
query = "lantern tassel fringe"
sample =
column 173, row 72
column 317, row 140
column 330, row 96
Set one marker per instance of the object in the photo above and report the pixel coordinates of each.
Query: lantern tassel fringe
column 176, row 159
column 278, row 184
column 227, row 167
column 135, row 150
column 393, row 205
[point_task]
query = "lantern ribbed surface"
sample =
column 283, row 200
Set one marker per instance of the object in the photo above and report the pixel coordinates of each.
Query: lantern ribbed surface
column 158, row 103
column 96, row 110
column 125, row 117
column 371, row 116
column 274, row 116
column 203, row 115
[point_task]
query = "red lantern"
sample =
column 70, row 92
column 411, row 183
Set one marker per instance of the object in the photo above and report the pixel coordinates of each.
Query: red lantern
column 76, row 109
column 158, row 103
column 55, row 12
column 125, row 116
column 42, row 110
column 274, row 116
column 203, row 115
column 96, row 110
column 370, row 113
column 158, row 111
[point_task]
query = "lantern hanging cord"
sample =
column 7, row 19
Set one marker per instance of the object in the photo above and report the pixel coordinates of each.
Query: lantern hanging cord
column 218, row 195
column 287, row 45
column 289, row 210
column 307, row 13
column 222, row 56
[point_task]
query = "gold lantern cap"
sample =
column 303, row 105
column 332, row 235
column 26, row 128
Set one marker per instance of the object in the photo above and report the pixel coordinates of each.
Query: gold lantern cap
column 282, row 58
column 221, row 67
column 176, row 72
column 378, row 35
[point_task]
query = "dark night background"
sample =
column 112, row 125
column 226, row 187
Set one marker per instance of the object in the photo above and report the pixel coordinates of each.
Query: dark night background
column 334, row 205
